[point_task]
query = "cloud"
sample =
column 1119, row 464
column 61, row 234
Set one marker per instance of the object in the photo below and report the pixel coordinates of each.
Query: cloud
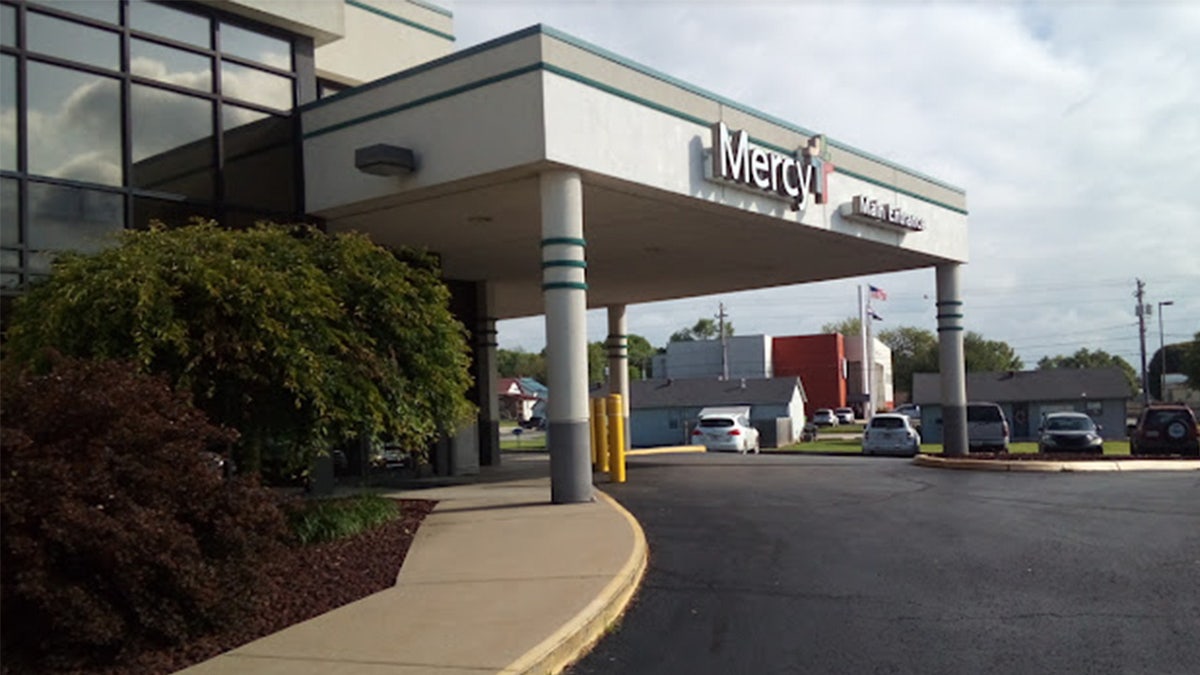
column 1072, row 126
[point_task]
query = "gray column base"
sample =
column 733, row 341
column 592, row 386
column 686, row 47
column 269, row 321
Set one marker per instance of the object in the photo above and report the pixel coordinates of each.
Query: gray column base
column 570, row 461
column 954, row 431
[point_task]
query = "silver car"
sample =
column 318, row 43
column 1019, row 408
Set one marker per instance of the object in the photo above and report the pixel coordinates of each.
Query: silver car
column 824, row 417
column 890, row 434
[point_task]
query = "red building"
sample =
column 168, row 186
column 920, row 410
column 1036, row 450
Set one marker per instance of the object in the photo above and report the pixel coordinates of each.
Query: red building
column 820, row 363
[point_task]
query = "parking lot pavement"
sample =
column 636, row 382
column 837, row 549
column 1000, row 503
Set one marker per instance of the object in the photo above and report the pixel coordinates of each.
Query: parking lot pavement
column 782, row 564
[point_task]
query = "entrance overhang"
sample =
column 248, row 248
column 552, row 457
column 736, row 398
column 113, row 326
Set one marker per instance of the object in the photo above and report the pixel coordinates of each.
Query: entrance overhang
column 486, row 122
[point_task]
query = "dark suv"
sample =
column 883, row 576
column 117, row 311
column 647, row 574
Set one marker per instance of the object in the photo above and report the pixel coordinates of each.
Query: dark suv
column 1165, row 430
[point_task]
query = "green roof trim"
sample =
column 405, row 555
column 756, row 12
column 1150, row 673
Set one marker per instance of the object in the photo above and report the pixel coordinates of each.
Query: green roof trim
column 432, row 7
column 399, row 19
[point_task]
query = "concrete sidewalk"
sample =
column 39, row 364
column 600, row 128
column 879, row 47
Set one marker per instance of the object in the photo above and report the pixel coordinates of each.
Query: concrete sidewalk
column 498, row 580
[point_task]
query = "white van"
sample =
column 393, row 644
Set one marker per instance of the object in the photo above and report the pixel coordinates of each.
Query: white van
column 726, row 428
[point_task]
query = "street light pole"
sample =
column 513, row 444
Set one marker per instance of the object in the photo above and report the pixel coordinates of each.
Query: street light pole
column 1162, row 349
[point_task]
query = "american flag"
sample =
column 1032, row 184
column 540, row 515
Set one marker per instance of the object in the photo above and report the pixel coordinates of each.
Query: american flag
column 878, row 293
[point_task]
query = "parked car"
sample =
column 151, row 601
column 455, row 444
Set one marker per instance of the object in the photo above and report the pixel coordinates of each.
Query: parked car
column 1165, row 429
column 987, row 429
column 1069, row 432
column 890, row 434
column 535, row 422
column 726, row 429
column 824, row 417
column 913, row 412
column 844, row 415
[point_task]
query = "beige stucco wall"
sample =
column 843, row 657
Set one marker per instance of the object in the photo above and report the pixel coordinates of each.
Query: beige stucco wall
column 324, row 21
column 446, row 136
column 398, row 36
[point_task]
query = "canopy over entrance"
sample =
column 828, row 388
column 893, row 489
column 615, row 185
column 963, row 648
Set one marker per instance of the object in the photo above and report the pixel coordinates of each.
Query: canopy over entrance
column 483, row 124
column 550, row 175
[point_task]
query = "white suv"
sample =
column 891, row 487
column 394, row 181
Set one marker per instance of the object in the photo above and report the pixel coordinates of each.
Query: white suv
column 721, row 430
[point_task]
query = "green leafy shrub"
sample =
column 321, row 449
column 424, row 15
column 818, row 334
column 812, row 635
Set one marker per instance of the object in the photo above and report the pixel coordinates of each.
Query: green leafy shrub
column 117, row 530
column 295, row 338
column 329, row 519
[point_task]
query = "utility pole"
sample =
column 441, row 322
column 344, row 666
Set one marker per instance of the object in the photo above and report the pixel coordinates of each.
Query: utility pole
column 724, row 342
column 1142, row 310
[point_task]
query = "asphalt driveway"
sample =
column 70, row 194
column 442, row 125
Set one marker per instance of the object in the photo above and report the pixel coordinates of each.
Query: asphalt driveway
column 785, row 564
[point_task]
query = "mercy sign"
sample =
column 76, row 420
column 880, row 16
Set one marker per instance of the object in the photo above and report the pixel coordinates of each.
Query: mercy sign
column 735, row 161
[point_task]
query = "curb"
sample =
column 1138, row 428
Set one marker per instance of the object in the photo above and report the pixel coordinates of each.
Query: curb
column 667, row 449
column 1045, row 466
column 577, row 637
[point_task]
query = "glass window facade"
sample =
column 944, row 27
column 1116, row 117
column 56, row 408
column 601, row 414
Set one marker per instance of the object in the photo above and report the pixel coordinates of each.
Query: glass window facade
column 170, row 66
column 74, row 120
column 256, row 86
column 89, row 146
column 108, row 11
column 72, row 41
column 63, row 218
column 8, row 25
column 170, row 22
column 248, row 44
column 8, row 112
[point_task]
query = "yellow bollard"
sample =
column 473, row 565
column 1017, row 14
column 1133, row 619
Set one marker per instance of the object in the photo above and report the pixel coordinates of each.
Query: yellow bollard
column 592, row 433
column 616, row 439
column 601, row 450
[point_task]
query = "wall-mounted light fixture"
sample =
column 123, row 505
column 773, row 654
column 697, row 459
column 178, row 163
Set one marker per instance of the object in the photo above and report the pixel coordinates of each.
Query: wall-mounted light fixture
column 385, row 160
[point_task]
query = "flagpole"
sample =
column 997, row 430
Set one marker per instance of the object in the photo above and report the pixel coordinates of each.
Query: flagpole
column 869, row 359
column 865, row 380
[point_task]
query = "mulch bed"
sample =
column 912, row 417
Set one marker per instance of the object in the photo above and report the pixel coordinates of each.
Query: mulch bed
column 311, row 581
column 1062, row 457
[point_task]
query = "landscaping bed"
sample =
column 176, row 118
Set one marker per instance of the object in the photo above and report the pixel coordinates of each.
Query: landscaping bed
column 1059, row 457
column 306, row 581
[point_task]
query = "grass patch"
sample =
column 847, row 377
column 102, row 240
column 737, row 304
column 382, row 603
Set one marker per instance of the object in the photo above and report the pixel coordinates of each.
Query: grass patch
column 853, row 446
column 847, row 446
column 523, row 444
column 1114, row 447
column 330, row 519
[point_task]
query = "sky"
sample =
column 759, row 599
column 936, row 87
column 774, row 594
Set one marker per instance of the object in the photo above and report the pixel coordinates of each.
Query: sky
column 1073, row 126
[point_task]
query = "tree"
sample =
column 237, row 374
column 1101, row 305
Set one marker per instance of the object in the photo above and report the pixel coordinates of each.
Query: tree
column 705, row 329
column 914, row 350
column 1177, row 355
column 294, row 338
column 847, row 326
column 597, row 356
column 520, row 363
column 1084, row 358
column 1191, row 362
column 641, row 355
column 983, row 355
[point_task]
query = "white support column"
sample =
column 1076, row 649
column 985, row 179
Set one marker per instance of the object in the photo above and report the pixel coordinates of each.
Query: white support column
column 568, row 436
column 950, row 359
column 618, row 361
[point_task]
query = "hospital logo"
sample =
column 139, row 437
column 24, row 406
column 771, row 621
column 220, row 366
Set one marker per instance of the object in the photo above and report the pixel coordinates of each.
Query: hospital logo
column 793, row 177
